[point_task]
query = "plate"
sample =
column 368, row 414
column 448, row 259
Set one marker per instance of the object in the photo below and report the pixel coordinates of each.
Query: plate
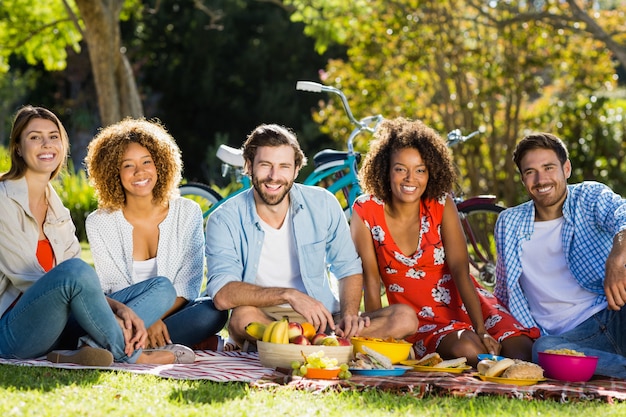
column 397, row 370
column 482, row 356
column 510, row 381
column 421, row 368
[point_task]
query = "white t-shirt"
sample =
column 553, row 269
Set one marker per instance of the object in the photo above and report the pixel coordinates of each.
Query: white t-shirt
column 278, row 266
column 145, row 269
column 556, row 300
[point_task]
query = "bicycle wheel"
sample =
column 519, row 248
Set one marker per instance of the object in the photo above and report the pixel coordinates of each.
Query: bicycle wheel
column 479, row 221
column 201, row 194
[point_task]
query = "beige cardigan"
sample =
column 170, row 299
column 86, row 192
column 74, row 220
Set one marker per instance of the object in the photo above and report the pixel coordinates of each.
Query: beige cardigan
column 19, row 267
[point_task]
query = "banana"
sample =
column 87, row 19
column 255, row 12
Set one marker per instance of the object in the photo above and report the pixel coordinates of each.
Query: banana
column 267, row 333
column 280, row 332
column 256, row 330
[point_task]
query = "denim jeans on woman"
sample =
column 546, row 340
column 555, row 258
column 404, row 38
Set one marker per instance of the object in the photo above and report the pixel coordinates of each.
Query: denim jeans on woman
column 602, row 335
column 71, row 291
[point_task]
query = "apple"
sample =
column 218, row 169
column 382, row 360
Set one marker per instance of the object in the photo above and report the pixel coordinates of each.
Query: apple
column 343, row 341
column 330, row 341
column 295, row 329
column 300, row 340
column 317, row 339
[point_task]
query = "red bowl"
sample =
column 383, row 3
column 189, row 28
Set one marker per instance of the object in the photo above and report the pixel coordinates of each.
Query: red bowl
column 568, row 367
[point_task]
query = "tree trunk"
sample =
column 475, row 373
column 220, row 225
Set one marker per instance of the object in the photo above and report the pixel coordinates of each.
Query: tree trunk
column 117, row 92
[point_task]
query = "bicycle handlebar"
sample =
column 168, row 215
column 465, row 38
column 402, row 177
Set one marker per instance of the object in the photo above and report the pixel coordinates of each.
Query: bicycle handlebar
column 369, row 123
column 455, row 137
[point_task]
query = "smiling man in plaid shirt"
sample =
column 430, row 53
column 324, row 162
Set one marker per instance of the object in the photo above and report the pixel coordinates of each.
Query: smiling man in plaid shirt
column 562, row 257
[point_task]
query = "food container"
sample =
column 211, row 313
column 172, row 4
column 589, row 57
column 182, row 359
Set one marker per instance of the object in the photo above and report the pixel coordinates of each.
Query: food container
column 568, row 367
column 397, row 351
column 322, row 373
column 280, row 355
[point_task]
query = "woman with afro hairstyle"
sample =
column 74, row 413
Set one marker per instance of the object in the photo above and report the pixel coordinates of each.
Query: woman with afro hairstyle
column 407, row 231
column 144, row 229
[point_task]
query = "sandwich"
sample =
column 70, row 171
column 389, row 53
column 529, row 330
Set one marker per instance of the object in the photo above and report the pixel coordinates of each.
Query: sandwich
column 370, row 359
column 431, row 359
column 452, row 363
column 510, row 368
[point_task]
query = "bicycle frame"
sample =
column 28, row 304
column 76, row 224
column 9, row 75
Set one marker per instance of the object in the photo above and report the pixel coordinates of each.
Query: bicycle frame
column 338, row 167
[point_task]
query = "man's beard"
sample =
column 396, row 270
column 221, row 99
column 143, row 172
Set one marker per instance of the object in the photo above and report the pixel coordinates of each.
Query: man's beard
column 271, row 199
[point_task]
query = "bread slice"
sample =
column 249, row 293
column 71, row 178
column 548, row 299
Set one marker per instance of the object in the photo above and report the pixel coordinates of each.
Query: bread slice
column 431, row 359
column 452, row 363
column 499, row 367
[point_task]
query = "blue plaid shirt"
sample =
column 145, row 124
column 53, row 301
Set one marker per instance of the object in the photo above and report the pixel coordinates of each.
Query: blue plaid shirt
column 593, row 214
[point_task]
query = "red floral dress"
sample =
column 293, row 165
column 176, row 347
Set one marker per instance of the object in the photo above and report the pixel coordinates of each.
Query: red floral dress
column 423, row 281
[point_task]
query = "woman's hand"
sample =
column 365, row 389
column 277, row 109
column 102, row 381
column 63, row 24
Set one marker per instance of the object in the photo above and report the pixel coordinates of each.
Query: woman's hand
column 492, row 345
column 158, row 335
column 135, row 333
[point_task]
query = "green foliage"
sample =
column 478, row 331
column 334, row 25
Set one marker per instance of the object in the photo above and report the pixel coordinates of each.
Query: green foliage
column 465, row 64
column 38, row 31
column 78, row 196
column 5, row 159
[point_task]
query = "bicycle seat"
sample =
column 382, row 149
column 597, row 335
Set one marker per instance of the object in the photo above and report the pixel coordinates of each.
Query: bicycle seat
column 230, row 155
column 329, row 155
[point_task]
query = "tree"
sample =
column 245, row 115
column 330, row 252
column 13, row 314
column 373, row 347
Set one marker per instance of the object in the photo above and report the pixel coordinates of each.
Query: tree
column 454, row 65
column 41, row 32
column 571, row 15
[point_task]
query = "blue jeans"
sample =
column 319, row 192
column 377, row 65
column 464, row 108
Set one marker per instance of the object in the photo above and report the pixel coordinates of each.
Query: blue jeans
column 149, row 299
column 602, row 335
column 32, row 327
column 195, row 322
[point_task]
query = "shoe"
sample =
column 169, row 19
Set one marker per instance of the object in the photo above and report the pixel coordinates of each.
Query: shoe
column 86, row 356
column 182, row 353
column 213, row 342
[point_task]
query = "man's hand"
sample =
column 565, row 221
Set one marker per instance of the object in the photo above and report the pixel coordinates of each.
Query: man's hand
column 615, row 281
column 312, row 310
column 351, row 325
column 158, row 335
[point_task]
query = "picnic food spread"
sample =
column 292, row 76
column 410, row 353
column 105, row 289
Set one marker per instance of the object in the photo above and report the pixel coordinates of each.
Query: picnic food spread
column 570, row 352
column 510, row 369
column 317, row 365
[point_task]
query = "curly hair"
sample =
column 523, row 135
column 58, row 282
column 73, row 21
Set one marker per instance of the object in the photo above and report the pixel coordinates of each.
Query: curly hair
column 107, row 148
column 400, row 133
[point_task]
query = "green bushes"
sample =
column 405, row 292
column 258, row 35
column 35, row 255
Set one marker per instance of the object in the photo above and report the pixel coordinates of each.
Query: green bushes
column 78, row 196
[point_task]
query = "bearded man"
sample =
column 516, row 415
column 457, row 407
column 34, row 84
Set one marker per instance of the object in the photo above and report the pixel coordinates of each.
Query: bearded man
column 284, row 249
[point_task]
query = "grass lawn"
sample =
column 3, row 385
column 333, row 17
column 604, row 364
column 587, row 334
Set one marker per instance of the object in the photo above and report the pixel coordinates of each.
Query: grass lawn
column 53, row 392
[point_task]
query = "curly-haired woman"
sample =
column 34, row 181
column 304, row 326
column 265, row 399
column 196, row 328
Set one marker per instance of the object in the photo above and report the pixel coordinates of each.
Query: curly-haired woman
column 407, row 231
column 45, row 288
column 144, row 229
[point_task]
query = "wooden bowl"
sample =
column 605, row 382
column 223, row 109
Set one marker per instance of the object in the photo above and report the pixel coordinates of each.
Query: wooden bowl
column 279, row 355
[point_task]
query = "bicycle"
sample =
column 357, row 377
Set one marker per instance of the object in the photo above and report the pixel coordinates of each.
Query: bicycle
column 335, row 170
column 478, row 217
column 338, row 172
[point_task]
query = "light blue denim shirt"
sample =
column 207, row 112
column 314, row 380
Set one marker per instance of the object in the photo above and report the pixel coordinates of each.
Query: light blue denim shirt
column 234, row 239
column 593, row 214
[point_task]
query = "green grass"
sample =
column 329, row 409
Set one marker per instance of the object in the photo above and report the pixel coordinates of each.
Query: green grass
column 54, row 392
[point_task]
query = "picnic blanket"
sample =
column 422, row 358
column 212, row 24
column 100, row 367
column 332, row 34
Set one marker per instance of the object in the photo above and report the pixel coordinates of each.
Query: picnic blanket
column 246, row 367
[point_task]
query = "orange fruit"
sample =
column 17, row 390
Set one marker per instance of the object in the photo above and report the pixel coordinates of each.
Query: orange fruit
column 308, row 330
